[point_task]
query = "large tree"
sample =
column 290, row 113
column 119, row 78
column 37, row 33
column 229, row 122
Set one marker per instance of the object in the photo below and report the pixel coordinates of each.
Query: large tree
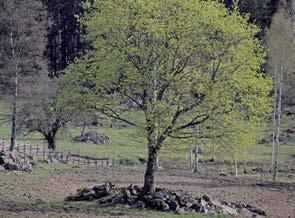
column 23, row 32
column 166, row 66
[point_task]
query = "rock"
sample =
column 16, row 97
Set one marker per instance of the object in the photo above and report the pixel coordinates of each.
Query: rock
column 140, row 204
column 207, row 198
column 229, row 210
column 16, row 161
column 196, row 207
column 72, row 198
column 13, row 155
column 3, row 159
column 215, row 202
column 90, row 193
column 203, row 202
column 184, row 200
column 181, row 210
column 162, row 199
column 159, row 195
column 134, row 190
column 158, row 204
column 247, row 213
column 117, row 200
column 131, row 201
column 126, row 194
column 256, row 210
column 103, row 190
column 10, row 165
column 173, row 205
column 2, row 168
column 92, row 137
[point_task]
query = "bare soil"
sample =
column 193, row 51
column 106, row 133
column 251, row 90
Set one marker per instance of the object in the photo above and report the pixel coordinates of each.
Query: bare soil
column 42, row 197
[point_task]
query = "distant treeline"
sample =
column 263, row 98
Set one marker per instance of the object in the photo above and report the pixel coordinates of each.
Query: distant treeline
column 65, row 38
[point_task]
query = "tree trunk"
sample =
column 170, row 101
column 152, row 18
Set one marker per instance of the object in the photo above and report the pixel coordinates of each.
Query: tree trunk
column 15, row 93
column 196, row 165
column 13, row 114
column 191, row 163
column 13, row 129
column 278, row 107
column 236, row 168
column 273, row 134
column 51, row 141
column 245, row 161
column 83, row 129
column 245, row 167
column 151, row 170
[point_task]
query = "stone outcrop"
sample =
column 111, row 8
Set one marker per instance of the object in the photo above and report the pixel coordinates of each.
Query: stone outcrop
column 92, row 137
column 163, row 200
column 15, row 161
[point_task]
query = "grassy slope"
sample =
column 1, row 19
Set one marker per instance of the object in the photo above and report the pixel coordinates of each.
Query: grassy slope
column 125, row 147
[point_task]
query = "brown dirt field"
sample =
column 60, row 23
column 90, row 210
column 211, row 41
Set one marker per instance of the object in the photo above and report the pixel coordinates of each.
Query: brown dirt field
column 28, row 197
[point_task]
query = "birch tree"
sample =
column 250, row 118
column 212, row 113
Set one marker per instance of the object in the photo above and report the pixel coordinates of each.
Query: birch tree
column 282, row 61
column 22, row 44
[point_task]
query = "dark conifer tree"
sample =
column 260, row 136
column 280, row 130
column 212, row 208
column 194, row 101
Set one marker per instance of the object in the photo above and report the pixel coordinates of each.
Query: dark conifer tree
column 261, row 11
column 64, row 39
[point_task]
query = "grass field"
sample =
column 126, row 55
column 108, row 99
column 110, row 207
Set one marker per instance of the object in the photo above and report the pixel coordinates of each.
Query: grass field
column 126, row 147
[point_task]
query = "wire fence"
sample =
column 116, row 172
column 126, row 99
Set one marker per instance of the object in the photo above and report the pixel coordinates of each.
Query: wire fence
column 63, row 156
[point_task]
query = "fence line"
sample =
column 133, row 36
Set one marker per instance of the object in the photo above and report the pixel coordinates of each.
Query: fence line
column 63, row 156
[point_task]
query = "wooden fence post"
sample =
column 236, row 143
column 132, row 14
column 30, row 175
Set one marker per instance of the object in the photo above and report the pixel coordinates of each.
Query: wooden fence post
column 30, row 149
column 44, row 152
column 3, row 145
column 17, row 147
column 67, row 158
column 24, row 148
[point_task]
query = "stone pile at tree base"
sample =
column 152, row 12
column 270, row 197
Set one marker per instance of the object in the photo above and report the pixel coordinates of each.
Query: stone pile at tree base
column 15, row 161
column 162, row 199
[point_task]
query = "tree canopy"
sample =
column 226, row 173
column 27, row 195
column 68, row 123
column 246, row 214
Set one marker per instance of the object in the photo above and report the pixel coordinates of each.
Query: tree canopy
column 167, row 66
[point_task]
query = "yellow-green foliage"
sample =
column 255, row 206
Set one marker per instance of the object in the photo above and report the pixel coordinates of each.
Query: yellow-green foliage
column 179, row 62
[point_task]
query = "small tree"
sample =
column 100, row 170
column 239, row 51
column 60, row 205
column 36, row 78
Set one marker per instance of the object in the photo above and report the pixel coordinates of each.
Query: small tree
column 23, row 26
column 43, row 114
column 282, row 62
column 166, row 66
